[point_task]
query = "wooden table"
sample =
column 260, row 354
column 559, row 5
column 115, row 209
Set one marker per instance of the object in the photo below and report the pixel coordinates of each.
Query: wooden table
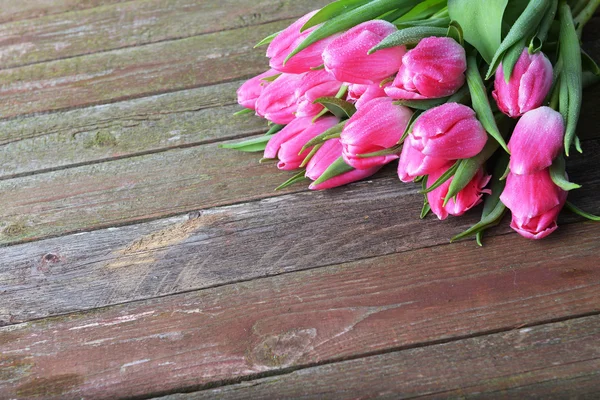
column 140, row 260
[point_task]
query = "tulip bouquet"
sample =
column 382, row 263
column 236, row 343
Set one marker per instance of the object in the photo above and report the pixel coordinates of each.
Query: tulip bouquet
column 361, row 83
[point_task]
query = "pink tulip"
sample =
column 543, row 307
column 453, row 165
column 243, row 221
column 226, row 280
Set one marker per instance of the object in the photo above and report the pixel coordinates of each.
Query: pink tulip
column 287, row 143
column 347, row 59
column 287, row 40
column 361, row 94
column 527, row 87
column 314, row 84
column 248, row 93
column 278, row 101
column 323, row 158
column 536, row 140
column 414, row 163
column 539, row 226
column 534, row 201
column 377, row 125
column 466, row 199
column 434, row 68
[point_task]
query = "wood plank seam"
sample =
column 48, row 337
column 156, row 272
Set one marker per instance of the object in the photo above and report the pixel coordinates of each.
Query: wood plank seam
column 173, row 39
column 390, row 350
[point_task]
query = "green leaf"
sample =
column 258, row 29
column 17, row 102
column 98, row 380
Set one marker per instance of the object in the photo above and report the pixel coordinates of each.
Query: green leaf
column 274, row 129
column 591, row 71
column 511, row 57
column 570, row 52
column 336, row 168
column 249, row 146
column 408, row 36
column 413, row 118
column 523, row 27
column 467, row 169
column 493, row 209
column 455, row 32
column 385, row 152
column 439, row 22
column 481, row 22
column 332, row 10
column 310, row 154
column 481, row 103
column 423, row 105
column 338, row 107
column 270, row 78
column 330, row 133
column 546, row 23
column 423, row 10
column 244, row 111
column 572, row 207
column 267, row 40
column 299, row 177
column 443, row 178
column 426, row 207
column 557, row 173
column 347, row 20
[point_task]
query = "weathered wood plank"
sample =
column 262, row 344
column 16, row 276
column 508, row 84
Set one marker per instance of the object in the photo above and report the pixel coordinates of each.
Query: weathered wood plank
column 134, row 23
column 27, row 9
column 134, row 72
column 58, row 140
column 233, row 243
column 553, row 361
column 146, row 187
column 303, row 318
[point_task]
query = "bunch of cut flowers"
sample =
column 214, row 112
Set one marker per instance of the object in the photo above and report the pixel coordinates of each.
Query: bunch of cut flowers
column 476, row 100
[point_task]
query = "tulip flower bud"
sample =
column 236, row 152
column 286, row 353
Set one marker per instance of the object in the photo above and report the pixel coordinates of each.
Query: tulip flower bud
column 248, row 93
column 361, row 94
column 434, row 68
column 414, row 163
column 466, row 199
column 347, row 59
column 278, row 101
column 287, row 143
column 323, row 158
column 314, row 84
column 534, row 201
column 287, row 40
column 376, row 126
column 536, row 140
column 529, row 83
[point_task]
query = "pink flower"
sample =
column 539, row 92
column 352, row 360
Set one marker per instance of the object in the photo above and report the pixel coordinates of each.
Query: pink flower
column 434, row 68
column 536, row 140
column 287, row 143
column 361, row 94
column 287, row 40
column 323, row 158
column 414, row 163
column 248, row 93
column 531, row 195
column 347, row 59
column 444, row 133
column 535, row 202
column 466, row 199
column 527, row 87
column 377, row 125
column 278, row 101
column 314, row 84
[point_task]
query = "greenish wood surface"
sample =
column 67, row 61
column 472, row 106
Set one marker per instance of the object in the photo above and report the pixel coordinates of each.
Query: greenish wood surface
column 133, row 23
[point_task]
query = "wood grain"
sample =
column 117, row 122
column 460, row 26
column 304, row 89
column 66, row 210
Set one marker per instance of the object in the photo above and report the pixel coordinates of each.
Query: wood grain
column 29, row 9
column 135, row 72
column 303, row 318
column 552, row 361
column 231, row 243
column 148, row 187
column 134, row 23
column 40, row 143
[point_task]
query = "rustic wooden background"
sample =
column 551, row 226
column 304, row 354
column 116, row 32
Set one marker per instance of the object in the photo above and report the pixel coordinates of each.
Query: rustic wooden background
column 139, row 260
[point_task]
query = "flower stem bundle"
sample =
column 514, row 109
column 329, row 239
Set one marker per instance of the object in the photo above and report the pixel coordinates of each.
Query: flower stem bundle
column 477, row 101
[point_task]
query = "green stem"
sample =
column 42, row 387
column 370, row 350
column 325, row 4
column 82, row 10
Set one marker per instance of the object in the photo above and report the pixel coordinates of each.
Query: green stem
column 585, row 15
